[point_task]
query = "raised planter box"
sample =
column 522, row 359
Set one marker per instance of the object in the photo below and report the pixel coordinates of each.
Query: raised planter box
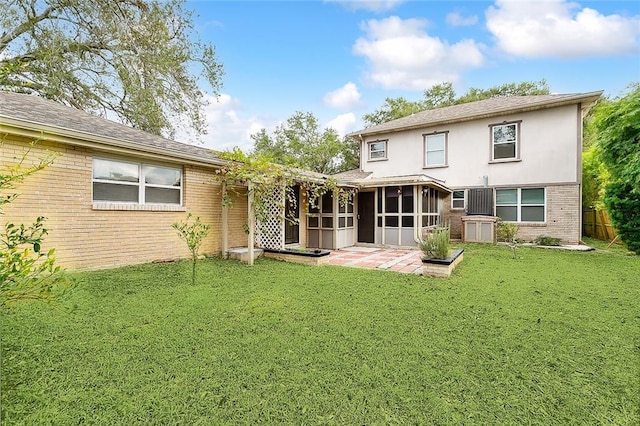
column 306, row 257
column 442, row 267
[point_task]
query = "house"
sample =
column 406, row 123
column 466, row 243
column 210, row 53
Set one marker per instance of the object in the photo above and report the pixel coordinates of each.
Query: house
column 517, row 158
column 112, row 192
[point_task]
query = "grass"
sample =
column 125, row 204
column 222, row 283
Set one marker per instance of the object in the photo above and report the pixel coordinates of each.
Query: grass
column 551, row 338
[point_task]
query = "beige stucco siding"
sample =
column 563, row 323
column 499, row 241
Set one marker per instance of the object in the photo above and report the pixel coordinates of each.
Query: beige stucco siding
column 549, row 142
column 86, row 237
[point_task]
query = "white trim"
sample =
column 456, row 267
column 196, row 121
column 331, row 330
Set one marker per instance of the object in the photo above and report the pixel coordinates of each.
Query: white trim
column 385, row 151
column 464, row 199
column 141, row 184
column 445, row 149
column 518, row 205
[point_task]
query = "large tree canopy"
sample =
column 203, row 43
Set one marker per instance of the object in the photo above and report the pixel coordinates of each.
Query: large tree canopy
column 618, row 139
column 128, row 58
column 300, row 143
column 442, row 95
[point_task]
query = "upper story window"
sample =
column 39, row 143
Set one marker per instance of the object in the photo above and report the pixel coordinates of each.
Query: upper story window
column 521, row 204
column 130, row 182
column 377, row 150
column 505, row 139
column 458, row 199
column 435, row 150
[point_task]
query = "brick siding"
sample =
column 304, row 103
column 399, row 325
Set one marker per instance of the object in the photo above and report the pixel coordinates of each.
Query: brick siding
column 563, row 216
column 87, row 238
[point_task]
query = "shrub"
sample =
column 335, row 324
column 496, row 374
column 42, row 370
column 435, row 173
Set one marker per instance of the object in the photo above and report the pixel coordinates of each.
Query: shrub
column 507, row 231
column 544, row 240
column 623, row 203
column 27, row 272
column 436, row 243
column 192, row 234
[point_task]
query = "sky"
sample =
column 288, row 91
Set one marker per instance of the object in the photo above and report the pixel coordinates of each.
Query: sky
column 341, row 59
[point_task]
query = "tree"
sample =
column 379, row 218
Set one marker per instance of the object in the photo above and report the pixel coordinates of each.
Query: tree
column 26, row 271
column 300, row 143
column 618, row 138
column 128, row 58
column 192, row 233
column 392, row 109
column 443, row 95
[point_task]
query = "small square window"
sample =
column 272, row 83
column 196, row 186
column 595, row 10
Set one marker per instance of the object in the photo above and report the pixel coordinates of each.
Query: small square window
column 458, row 199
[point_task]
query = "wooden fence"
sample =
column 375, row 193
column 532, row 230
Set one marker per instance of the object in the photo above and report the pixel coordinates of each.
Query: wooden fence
column 596, row 224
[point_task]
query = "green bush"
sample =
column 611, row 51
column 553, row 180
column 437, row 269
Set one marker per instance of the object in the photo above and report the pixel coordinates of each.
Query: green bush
column 436, row 243
column 623, row 203
column 507, row 231
column 544, row 240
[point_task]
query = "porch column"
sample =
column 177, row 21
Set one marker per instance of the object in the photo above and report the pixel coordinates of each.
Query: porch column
column 225, row 224
column 251, row 219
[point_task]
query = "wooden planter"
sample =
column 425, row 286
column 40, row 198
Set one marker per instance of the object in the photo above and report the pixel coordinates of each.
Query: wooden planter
column 442, row 267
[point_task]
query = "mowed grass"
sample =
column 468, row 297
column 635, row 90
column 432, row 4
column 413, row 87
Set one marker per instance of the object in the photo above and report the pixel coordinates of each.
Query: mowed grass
column 550, row 338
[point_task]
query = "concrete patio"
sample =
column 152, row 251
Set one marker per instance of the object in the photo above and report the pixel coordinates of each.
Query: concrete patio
column 390, row 259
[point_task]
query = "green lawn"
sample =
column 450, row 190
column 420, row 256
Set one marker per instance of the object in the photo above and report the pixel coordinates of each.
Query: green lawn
column 550, row 338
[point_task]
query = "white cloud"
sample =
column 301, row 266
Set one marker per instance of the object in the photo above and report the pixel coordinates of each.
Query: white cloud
column 378, row 6
column 343, row 123
column 557, row 28
column 457, row 20
column 226, row 125
column 345, row 97
column 403, row 56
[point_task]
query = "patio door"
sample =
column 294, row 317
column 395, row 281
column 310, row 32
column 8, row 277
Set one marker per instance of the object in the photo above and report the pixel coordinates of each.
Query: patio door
column 292, row 226
column 366, row 217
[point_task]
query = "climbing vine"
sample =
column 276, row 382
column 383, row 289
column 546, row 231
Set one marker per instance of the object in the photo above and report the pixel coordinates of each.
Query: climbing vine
column 265, row 178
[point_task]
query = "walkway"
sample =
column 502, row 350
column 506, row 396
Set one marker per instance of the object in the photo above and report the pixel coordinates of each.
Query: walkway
column 390, row 259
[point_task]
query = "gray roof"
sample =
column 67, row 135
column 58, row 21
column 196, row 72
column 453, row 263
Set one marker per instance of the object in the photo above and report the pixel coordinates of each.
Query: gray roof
column 351, row 175
column 37, row 111
column 479, row 109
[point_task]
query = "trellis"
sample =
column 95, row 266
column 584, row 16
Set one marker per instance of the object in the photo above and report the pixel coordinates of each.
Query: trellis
column 270, row 224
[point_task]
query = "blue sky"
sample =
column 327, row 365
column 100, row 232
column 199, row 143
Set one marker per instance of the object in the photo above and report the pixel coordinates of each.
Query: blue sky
column 341, row 59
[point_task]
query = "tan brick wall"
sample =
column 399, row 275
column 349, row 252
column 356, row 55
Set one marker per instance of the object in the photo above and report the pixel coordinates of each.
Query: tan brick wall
column 89, row 238
column 453, row 217
column 563, row 216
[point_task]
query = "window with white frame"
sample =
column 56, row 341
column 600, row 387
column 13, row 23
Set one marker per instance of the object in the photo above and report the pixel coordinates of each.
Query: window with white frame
column 377, row 150
column 435, row 149
column 504, row 141
column 458, row 199
column 521, row 204
column 122, row 181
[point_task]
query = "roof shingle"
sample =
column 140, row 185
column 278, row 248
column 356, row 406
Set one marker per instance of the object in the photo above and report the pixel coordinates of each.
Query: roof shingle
column 39, row 111
column 479, row 109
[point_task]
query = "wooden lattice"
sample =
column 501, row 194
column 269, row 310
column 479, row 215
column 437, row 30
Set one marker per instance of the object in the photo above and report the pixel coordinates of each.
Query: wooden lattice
column 270, row 228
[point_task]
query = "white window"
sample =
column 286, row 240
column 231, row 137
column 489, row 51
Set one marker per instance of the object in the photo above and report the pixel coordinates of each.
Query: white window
column 458, row 199
column 504, row 141
column 129, row 182
column 521, row 204
column 377, row 150
column 435, row 150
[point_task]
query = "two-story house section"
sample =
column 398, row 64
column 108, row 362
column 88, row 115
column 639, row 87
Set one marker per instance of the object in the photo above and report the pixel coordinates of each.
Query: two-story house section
column 517, row 158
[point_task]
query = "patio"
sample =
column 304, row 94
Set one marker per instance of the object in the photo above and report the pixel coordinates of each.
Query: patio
column 391, row 259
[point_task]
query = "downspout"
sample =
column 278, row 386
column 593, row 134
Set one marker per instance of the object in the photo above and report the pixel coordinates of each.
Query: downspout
column 361, row 151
